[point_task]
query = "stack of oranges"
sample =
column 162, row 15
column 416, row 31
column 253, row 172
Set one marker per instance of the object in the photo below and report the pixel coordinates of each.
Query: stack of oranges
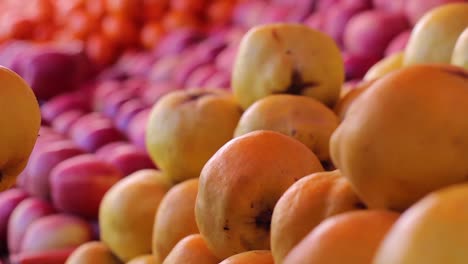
column 108, row 26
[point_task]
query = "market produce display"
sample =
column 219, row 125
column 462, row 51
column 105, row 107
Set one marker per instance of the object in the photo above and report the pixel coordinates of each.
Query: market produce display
column 233, row 131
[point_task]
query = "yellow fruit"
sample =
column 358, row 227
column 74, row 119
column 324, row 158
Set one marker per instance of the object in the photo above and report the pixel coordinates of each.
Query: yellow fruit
column 287, row 58
column 405, row 136
column 351, row 238
column 300, row 117
column 175, row 218
column 240, row 185
column 93, row 252
column 20, row 119
column 305, row 204
column 460, row 52
column 432, row 231
column 145, row 259
column 433, row 37
column 341, row 108
column 250, row 257
column 191, row 250
column 127, row 212
column 187, row 127
column 386, row 65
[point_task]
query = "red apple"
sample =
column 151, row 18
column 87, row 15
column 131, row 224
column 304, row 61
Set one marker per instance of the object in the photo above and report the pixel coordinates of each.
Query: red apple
column 113, row 102
column 164, row 68
column 57, row 256
column 220, row 79
column 136, row 131
column 356, row 66
column 336, row 19
column 63, row 122
column 361, row 4
column 177, row 40
column 316, row 21
column 56, row 231
column 79, row 183
column 9, row 199
column 398, row 43
column 126, row 111
column 200, row 75
column 391, row 6
column 28, row 211
column 93, row 131
column 156, row 90
column 62, row 103
column 41, row 163
column 415, row 9
column 102, row 91
column 126, row 157
column 226, row 57
column 369, row 33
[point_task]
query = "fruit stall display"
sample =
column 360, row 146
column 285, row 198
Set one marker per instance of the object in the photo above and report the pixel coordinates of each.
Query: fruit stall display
column 232, row 132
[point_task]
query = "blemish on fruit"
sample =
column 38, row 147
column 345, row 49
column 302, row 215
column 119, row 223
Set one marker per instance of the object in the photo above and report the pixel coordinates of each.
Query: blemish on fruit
column 458, row 72
column 360, row 205
column 298, row 85
column 275, row 35
column 293, row 132
column 263, row 220
column 1, row 176
column 251, row 205
column 226, row 228
column 195, row 96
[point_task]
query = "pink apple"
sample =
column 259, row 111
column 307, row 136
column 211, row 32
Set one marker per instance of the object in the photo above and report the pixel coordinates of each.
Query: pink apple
column 369, row 33
column 92, row 131
column 316, row 21
column 249, row 13
column 163, row 69
column 398, row 43
column 361, row 4
column 391, row 6
column 200, row 75
column 54, row 256
column 56, row 231
column 102, row 91
column 126, row 157
column 336, row 19
column 176, row 41
column 220, row 79
column 415, row 9
column 28, row 211
column 41, row 163
column 126, row 111
column 113, row 102
column 322, row 5
column 156, row 90
column 136, row 131
column 79, row 183
column 356, row 66
column 63, row 122
column 9, row 199
column 226, row 57
column 62, row 103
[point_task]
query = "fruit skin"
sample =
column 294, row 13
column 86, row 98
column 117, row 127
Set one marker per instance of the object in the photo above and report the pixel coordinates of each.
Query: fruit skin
column 126, row 228
column 92, row 252
column 416, row 236
column 351, row 237
column 187, row 127
column 9, row 200
column 384, row 66
column 398, row 43
column 239, row 175
column 26, row 213
column 54, row 256
column 315, row 197
column 175, row 218
column 460, row 51
column 254, row 256
column 287, row 58
column 20, row 119
column 57, row 231
column 144, row 259
column 398, row 120
column 79, row 183
column 191, row 250
column 416, row 9
column 434, row 36
column 41, row 163
column 369, row 33
column 341, row 108
column 303, row 118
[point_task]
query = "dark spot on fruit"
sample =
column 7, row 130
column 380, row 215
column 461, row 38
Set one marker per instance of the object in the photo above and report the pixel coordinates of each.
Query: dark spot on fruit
column 328, row 165
column 275, row 35
column 288, row 52
column 196, row 96
column 226, row 228
column 293, row 132
column 458, row 72
column 298, row 85
column 360, row 205
column 263, row 220
column 1, row 175
column 251, row 205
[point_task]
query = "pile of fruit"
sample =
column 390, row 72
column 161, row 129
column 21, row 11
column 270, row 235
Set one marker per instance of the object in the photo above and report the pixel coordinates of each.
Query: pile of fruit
column 295, row 132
